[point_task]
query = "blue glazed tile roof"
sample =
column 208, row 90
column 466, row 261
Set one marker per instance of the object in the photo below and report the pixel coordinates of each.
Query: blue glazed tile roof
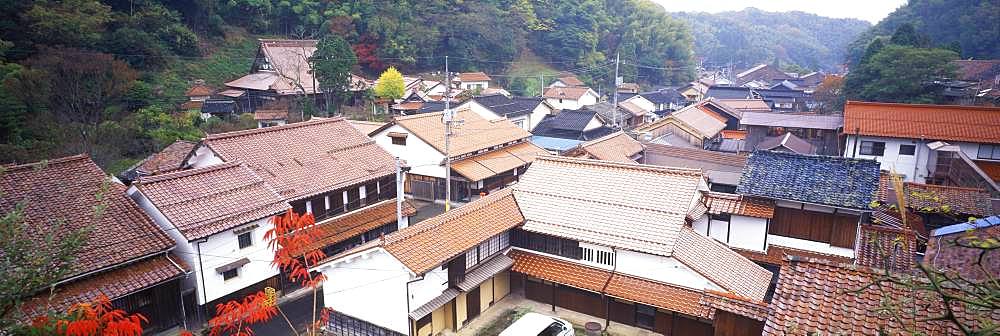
column 826, row 180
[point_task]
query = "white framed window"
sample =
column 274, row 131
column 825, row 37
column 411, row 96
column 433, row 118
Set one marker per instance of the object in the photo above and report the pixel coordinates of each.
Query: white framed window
column 309, row 206
column 472, row 257
column 876, row 148
column 989, row 152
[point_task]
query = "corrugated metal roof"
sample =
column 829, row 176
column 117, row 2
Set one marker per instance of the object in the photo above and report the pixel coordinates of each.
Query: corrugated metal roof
column 485, row 271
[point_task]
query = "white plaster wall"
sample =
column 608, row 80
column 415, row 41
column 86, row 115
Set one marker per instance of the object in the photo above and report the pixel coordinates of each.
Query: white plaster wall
column 203, row 157
column 223, row 248
column 566, row 104
column 642, row 102
column 719, row 230
column 593, row 124
column 589, row 98
column 479, row 109
column 216, row 250
column 424, row 159
column 660, row 268
column 913, row 166
column 431, row 286
column 472, row 85
column 370, row 286
column 538, row 114
column 747, row 232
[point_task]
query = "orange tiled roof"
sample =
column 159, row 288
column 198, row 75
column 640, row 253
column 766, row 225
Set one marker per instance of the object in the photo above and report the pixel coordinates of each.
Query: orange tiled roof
column 778, row 255
column 736, row 135
column 68, row 190
column 341, row 228
column 944, row 254
column 201, row 202
column 670, row 297
column 822, row 297
column 114, row 284
column 916, row 121
column 366, row 127
column 571, row 81
column 570, row 92
column 723, row 266
column 475, row 133
column 199, row 90
column 473, row 77
column 735, row 204
column 425, row 245
column 617, row 147
column 303, row 159
column 757, row 310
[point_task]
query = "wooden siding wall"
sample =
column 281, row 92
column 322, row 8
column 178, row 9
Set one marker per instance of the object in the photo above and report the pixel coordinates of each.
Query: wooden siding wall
column 837, row 230
column 729, row 324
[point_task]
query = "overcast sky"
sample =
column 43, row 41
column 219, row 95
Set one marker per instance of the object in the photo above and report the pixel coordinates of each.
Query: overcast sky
column 868, row 10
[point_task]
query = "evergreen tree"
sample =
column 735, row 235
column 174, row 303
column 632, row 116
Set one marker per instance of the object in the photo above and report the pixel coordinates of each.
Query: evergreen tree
column 331, row 64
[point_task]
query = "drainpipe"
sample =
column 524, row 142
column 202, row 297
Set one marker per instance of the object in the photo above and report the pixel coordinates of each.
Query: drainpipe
column 607, row 307
column 201, row 269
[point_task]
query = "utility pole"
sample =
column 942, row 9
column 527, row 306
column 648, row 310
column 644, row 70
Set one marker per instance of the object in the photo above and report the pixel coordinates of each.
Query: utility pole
column 447, row 117
column 541, row 85
column 614, row 106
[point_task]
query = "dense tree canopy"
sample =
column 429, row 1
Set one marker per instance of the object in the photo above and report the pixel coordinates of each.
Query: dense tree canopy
column 901, row 74
column 970, row 26
column 752, row 36
column 332, row 64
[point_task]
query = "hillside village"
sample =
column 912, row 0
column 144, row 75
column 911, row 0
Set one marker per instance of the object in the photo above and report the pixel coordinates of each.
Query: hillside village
column 743, row 202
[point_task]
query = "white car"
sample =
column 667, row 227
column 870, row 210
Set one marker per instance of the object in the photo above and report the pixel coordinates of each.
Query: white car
column 535, row 324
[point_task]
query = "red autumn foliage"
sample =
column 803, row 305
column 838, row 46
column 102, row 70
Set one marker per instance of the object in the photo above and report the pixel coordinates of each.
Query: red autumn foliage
column 236, row 317
column 292, row 238
column 367, row 52
column 96, row 318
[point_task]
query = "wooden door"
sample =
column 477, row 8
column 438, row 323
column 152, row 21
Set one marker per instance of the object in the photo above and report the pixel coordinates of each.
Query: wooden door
column 422, row 190
column 472, row 304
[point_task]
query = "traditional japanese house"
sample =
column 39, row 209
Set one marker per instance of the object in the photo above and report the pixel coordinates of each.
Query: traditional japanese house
column 485, row 154
column 124, row 256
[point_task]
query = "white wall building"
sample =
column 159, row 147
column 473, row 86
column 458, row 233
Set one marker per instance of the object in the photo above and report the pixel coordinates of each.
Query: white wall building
column 570, row 98
column 525, row 112
column 901, row 137
column 219, row 235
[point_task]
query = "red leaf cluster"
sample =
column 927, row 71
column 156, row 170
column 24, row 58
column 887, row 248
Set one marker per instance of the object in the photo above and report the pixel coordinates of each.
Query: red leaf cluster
column 292, row 239
column 97, row 318
column 235, row 317
column 367, row 52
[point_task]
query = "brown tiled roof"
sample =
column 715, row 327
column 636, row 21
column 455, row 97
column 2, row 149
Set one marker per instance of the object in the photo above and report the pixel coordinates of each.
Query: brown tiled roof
column 306, row 158
column 736, row 135
column 67, row 190
column 497, row 161
column 746, row 105
column 943, row 252
column 778, row 255
column 971, row 201
column 270, row 114
column 789, row 141
column 114, row 284
column 475, row 133
column 632, row 108
column 887, row 248
column 473, row 77
column 976, row 70
column 757, row 310
column 201, row 202
column 722, row 265
column 630, row 206
column 425, row 245
column 617, row 147
column 290, row 59
column 571, row 81
column 167, row 160
column 670, row 297
column 738, row 205
column 341, row 228
column 573, row 93
column 916, row 121
column 366, row 127
column 720, row 167
column 821, row 297
column 199, row 90
column 192, row 105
